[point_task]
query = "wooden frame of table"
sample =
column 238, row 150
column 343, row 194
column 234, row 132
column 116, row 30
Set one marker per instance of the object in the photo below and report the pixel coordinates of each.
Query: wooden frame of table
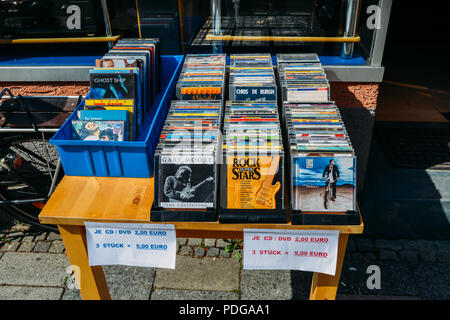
column 129, row 200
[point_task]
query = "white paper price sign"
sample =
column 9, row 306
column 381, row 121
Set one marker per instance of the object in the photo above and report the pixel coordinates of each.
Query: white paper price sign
column 140, row 245
column 306, row 250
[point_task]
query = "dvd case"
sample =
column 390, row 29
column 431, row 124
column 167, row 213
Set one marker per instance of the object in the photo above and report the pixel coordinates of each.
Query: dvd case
column 98, row 130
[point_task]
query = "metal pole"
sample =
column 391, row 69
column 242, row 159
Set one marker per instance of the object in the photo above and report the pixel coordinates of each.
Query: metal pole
column 216, row 20
column 236, row 10
column 351, row 21
column 106, row 20
column 216, row 16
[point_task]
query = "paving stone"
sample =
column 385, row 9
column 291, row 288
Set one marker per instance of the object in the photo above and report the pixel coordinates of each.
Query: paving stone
column 200, row 274
column 300, row 284
column 213, row 252
column 365, row 245
column 210, row 242
column 181, row 241
column 71, row 294
column 370, row 256
column 41, row 237
column 14, row 238
column 351, row 245
column 393, row 245
column 28, row 239
column 10, row 246
column 409, row 244
column 408, row 255
column 442, row 244
column 129, row 283
column 13, row 235
column 70, row 282
column 195, row 241
column 220, row 243
column 33, row 269
column 443, row 255
column 387, row 255
column 29, row 293
column 53, row 236
column 357, row 256
column 57, row 246
column 224, row 254
column 348, row 254
column 433, row 280
column 26, row 246
column 396, row 279
column 443, row 251
column 42, row 246
column 1, row 254
column 199, row 252
column 171, row 294
column 427, row 250
column 186, row 251
column 266, row 285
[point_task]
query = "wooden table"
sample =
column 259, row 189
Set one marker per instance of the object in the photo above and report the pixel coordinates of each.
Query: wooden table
column 129, row 200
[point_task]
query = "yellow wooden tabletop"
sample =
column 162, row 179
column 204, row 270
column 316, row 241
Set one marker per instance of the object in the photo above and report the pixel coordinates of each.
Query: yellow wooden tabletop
column 129, row 200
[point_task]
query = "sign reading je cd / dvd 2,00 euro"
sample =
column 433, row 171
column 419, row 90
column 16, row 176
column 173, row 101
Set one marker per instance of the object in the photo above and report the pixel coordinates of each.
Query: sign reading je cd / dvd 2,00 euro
column 140, row 245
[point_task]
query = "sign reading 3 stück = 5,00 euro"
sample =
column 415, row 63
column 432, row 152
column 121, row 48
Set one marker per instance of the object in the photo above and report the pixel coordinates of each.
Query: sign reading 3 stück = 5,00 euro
column 306, row 250
column 130, row 244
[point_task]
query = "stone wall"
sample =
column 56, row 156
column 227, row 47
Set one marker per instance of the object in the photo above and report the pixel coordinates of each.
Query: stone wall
column 47, row 88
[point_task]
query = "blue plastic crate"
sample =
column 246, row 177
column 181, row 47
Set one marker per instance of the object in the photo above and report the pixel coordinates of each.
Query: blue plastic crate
column 132, row 159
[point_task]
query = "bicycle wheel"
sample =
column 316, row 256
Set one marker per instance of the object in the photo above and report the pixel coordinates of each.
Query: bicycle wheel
column 326, row 198
column 35, row 171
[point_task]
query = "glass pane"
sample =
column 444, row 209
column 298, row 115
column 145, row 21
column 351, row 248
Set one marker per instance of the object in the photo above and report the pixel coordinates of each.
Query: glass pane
column 50, row 18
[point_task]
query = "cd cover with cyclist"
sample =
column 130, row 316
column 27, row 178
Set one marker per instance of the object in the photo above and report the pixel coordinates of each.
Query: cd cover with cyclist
column 324, row 184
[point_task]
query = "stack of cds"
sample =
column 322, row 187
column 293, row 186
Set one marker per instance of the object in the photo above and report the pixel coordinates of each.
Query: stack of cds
column 202, row 77
column 252, row 78
column 186, row 156
column 323, row 162
column 123, row 87
column 302, row 78
column 252, row 174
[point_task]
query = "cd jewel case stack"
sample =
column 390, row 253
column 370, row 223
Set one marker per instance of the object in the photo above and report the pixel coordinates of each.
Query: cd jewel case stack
column 252, row 78
column 188, row 153
column 302, row 78
column 322, row 159
column 252, row 186
column 202, row 77
column 186, row 156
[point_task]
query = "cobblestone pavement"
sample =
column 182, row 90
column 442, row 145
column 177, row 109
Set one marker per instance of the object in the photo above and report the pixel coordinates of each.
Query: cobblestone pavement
column 33, row 266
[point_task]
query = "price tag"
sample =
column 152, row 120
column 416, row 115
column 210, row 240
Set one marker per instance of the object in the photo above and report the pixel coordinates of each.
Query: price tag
column 141, row 245
column 306, row 250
